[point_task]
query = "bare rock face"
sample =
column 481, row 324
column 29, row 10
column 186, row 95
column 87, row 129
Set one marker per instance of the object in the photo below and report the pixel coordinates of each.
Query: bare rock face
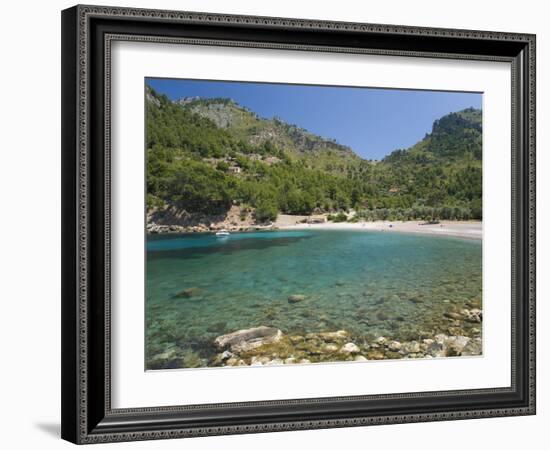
column 245, row 340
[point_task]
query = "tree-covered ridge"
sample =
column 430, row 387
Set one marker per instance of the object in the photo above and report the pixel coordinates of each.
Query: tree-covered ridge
column 445, row 168
column 248, row 126
column 203, row 155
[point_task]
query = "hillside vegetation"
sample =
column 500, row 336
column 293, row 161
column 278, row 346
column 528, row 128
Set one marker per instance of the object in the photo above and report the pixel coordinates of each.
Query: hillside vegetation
column 205, row 155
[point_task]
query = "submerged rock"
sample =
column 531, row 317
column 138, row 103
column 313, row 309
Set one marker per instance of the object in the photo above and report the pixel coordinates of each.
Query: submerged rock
column 187, row 293
column 171, row 358
column 218, row 327
column 296, row 298
column 192, row 359
column 245, row 340
column 456, row 331
column 452, row 315
column 333, row 336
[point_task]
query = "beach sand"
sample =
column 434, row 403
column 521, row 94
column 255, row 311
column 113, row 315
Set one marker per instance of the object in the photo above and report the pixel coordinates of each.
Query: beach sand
column 462, row 229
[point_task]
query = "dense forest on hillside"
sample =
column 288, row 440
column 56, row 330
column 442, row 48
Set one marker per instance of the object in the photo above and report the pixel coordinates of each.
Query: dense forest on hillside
column 204, row 155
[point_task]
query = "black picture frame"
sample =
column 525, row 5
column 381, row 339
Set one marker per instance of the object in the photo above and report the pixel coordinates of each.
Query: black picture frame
column 87, row 33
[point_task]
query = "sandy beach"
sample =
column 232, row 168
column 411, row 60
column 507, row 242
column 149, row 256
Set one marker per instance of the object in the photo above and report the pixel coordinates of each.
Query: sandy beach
column 462, row 229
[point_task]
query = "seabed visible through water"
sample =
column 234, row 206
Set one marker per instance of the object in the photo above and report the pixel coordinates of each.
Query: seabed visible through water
column 369, row 284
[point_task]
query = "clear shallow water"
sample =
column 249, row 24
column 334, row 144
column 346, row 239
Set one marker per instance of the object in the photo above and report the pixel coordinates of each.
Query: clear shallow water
column 368, row 283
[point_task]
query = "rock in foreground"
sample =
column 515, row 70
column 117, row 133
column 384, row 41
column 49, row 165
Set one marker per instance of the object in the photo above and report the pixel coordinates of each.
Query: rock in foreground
column 266, row 346
column 246, row 340
column 349, row 348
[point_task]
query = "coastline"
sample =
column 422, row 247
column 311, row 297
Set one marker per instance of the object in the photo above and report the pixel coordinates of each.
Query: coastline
column 461, row 229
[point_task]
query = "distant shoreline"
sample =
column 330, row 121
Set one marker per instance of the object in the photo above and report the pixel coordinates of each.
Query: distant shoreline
column 462, row 229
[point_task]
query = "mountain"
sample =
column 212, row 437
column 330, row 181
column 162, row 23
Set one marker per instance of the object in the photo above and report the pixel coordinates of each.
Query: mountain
column 454, row 136
column 207, row 156
column 444, row 168
column 248, row 126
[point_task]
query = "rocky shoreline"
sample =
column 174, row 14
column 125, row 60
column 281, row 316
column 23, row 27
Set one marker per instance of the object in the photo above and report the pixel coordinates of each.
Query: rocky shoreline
column 268, row 346
column 175, row 220
column 154, row 228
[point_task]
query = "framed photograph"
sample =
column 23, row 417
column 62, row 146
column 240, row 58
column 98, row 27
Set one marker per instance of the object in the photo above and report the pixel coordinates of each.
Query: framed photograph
column 281, row 224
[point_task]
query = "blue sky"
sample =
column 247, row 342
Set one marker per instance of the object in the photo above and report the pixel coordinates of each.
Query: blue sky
column 373, row 122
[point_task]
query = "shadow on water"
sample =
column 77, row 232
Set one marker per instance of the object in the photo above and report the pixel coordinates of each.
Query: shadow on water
column 224, row 246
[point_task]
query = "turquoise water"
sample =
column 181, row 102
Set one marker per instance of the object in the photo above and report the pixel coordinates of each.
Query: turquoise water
column 368, row 283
